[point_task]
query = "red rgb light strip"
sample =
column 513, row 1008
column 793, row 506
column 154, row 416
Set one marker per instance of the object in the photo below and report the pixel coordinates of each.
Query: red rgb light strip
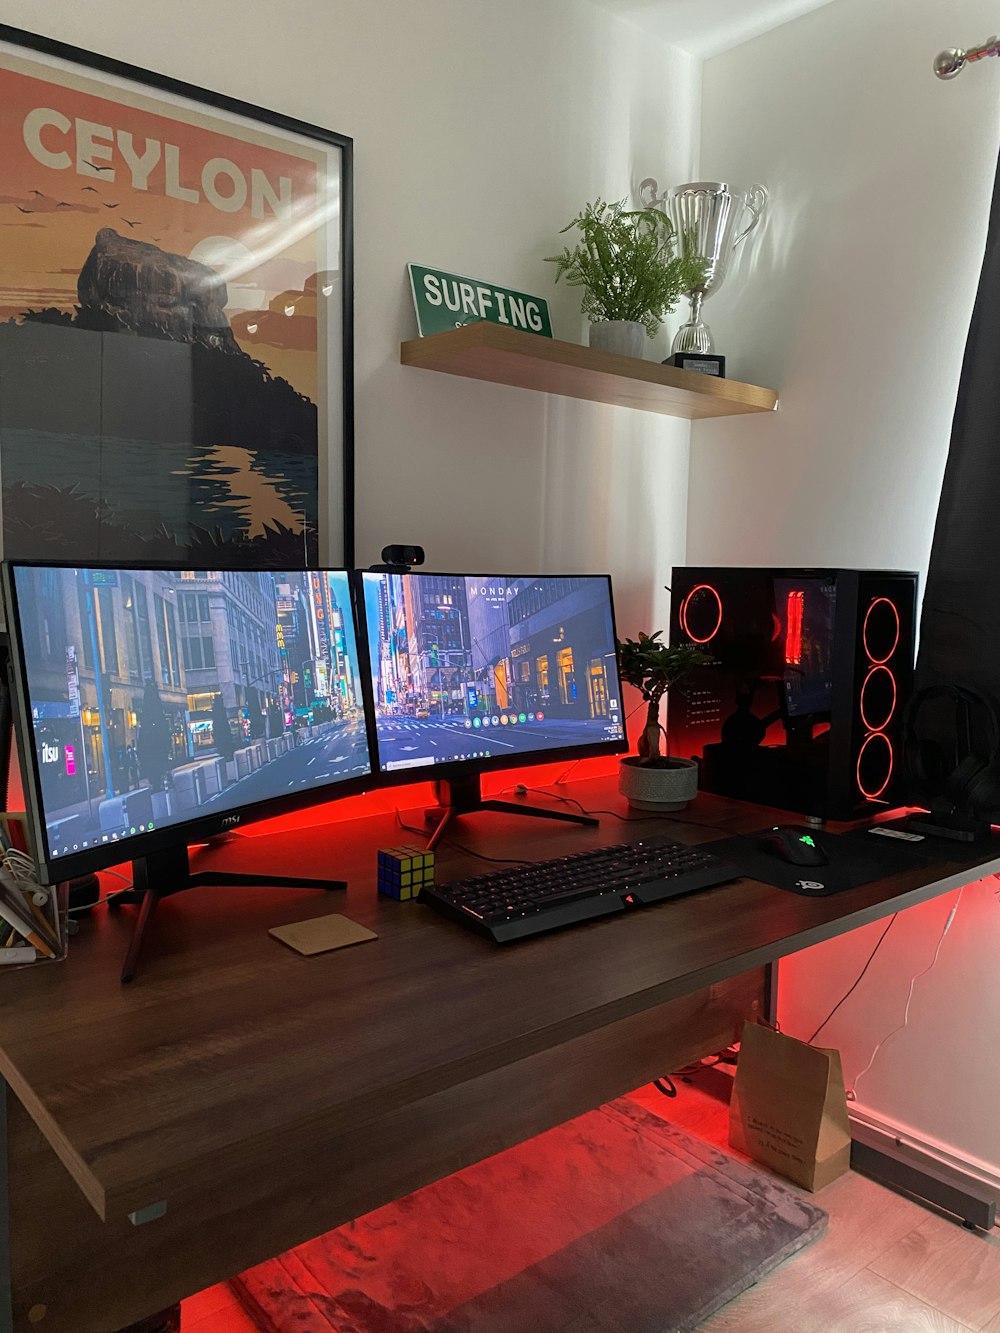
column 880, row 661
column 870, row 740
column 793, row 628
column 702, row 587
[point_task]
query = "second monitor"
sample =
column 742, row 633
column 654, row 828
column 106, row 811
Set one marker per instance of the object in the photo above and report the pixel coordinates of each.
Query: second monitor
column 474, row 672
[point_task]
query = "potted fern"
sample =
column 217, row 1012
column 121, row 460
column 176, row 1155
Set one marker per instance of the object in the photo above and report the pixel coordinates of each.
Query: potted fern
column 625, row 262
column 652, row 780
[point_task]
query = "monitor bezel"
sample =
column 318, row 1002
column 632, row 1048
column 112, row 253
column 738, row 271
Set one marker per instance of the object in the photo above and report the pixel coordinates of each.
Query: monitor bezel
column 189, row 831
column 460, row 768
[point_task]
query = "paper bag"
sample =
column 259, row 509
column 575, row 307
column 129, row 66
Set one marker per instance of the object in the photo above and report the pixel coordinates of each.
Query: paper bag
column 789, row 1108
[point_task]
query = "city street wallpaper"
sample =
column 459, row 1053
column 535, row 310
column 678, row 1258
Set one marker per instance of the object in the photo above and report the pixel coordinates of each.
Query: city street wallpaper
column 158, row 696
column 472, row 668
column 170, row 330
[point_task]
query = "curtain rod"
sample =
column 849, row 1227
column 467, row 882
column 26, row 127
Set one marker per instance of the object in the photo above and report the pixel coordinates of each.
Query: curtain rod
column 951, row 62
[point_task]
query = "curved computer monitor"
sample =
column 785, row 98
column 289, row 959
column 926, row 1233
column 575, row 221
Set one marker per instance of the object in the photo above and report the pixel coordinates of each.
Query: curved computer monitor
column 156, row 707
column 473, row 672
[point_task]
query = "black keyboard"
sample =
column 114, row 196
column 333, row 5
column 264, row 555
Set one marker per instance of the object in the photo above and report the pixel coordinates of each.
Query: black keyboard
column 526, row 900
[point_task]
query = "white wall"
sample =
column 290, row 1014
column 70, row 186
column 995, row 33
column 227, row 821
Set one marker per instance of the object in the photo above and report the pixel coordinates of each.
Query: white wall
column 855, row 304
column 856, row 299
column 480, row 130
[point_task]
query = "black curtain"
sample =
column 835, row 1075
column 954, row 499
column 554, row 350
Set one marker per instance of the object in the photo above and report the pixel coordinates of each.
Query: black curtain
column 960, row 623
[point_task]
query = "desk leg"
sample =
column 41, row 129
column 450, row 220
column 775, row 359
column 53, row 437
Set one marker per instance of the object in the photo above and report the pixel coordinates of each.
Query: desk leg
column 771, row 993
column 6, row 1306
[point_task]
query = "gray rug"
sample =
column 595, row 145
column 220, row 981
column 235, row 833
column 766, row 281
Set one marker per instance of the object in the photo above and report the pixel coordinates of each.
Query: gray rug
column 613, row 1221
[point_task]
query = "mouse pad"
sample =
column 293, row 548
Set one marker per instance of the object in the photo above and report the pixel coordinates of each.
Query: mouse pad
column 849, row 863
column 932, row 848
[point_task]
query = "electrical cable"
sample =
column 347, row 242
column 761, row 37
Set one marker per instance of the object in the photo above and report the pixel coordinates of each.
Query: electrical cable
column 857, row 982
column 522, row 789
column 694, row 823
column 497, row 860
column 709, row 1062
column 666, row 1085
column 420, row 832
column 115, row 893
column 576, row 762
column 450, row 842
column 909, row 994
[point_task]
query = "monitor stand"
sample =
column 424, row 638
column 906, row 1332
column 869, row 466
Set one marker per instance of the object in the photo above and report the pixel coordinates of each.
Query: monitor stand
column 168, row 872
column 463, row 796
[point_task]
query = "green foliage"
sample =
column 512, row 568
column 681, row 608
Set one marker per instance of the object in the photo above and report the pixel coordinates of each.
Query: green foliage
column 653, row 668
column 626, row 264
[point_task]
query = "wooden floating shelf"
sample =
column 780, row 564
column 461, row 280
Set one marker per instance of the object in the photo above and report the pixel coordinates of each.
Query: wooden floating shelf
column 485, row 351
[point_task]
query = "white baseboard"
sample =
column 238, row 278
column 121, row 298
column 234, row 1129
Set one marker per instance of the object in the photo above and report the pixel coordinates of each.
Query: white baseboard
column 904, row 1141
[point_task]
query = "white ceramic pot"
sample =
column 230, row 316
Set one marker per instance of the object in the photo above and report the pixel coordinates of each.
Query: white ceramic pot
column 627, row 337
column 668, row 788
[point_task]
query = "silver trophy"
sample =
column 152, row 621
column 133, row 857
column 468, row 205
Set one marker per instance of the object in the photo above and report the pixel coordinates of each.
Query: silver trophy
column 706, row 215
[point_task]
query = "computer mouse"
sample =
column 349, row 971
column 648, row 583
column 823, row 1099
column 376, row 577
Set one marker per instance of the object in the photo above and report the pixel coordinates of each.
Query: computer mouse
column 794, row 845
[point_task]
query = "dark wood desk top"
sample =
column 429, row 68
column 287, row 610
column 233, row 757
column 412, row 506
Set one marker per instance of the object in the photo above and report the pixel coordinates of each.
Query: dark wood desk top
column 229, row 1049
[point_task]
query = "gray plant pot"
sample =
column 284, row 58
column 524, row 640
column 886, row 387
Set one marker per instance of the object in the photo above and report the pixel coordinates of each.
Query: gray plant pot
column 627, row 337
column 658, row 788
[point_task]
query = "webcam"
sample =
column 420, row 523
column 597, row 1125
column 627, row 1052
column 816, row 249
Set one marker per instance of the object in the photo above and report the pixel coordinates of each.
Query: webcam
column 401, row 557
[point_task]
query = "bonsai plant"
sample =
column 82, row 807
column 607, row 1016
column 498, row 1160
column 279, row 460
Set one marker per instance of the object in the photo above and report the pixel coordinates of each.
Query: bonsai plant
column 653, row 780
column 631, row 277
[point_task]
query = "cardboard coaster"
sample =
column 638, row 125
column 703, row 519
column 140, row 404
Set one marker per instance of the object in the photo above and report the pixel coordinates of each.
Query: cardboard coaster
column 322, row 933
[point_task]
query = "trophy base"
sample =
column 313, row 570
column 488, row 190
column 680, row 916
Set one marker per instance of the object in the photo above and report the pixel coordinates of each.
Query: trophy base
column 695, row 337
column 704, row 363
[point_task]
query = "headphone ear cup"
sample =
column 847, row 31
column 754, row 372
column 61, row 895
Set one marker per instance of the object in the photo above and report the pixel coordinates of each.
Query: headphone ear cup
column 975, row 784
column 962, row 782
column 982, row 791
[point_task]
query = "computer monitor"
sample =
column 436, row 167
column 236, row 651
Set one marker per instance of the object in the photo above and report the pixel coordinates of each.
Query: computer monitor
column 475, row 672
column 157, row 707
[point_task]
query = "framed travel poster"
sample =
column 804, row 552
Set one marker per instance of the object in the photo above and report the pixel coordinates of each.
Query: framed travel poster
column 176, row 300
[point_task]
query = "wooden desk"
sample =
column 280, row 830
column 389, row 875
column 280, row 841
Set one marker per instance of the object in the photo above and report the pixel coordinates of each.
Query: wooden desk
column 265, row 1097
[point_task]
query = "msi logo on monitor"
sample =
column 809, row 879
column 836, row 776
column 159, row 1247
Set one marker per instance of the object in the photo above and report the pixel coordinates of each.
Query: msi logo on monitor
column 231, row 820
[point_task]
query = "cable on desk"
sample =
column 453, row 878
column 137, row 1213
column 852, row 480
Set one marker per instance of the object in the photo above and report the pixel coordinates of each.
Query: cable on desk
column 857, row 982
column 420, row 832
column 497, row 860
column 521, row 788
column 111, row 897
column 627, row 819
column 577, row 762
column 665, row 1085
column 450, row 842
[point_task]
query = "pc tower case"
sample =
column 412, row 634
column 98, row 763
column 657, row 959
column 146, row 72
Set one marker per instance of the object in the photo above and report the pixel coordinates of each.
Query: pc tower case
column 802, row 706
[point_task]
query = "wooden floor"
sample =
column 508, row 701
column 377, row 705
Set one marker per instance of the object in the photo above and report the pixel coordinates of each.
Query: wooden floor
column 885, row 1264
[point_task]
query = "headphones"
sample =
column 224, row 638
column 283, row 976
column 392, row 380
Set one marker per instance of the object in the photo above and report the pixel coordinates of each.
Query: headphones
column 962, row 777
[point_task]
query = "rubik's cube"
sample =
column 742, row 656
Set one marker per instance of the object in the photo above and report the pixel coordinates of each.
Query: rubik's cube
column 404, row 871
